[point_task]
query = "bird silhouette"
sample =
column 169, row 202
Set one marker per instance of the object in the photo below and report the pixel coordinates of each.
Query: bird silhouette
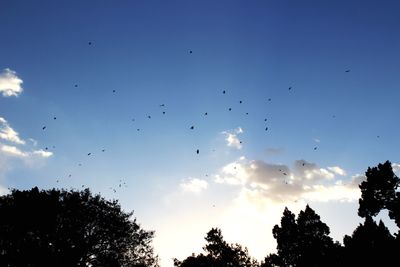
column 240, row 102
column 54, row 118
column 230, row 109
column 89, row 154
column 192, row 127
column 347, row 70
column 113, row 91
column 149, row 116
column 269, row 99
column 315, row 148
column 205, row 114
column 223, row 92
column 103, row 150
column 44, row 127
column 197, row 151
column 190, row 51
column 266, row 128
column 163, row 112
column 76, row 85
column 290, row 88
column 89, row 43
column 162, row 105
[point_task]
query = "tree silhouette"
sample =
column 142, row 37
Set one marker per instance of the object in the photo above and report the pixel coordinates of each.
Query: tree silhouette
column 379, row 192
column 304, row 242
column 370, row 245
column 219, row 254
column 70, row 228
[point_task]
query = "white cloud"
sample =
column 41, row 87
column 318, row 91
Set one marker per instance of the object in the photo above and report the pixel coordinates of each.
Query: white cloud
column 13, row 151
column 280, row 183
column 42, row 153
column 232, row 138
column 9, row 134
column 337, row 170
column 396, row 167
column 194, row 185
column 10, row 83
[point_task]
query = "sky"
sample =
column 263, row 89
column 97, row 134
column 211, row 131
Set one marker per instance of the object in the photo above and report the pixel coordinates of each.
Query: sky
column 290, row 103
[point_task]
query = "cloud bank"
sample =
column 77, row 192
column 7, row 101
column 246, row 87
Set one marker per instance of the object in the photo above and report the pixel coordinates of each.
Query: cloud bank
column 10, row 83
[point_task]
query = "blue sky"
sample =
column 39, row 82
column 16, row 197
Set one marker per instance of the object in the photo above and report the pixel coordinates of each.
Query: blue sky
column 255, row 51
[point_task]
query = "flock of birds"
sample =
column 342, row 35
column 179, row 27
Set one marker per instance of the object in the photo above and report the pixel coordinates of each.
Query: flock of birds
column 122, row 183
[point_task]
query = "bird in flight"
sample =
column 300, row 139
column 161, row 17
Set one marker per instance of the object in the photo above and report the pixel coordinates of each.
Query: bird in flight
column 269, row 99
column 192, row 127
column 162, row 105
column 89, row 43
column 347, row 70
column 149, row 116
column 230, row 109
column 89, row 154
column 103, row 150
column 205, row 114
column 315, row 148
column 240, row 102
column 290, row 88
column 224, row 92
column 197, row 151
column 76, row 85
column 190, row 51
column 44, row 127
column 54, row 118
column 113, row 91
column 266, row 128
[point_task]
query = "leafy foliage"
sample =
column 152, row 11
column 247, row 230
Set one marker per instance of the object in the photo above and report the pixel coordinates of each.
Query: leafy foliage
column 379, row 191
column 69, row 228
column 219, row 254
column 303, row 242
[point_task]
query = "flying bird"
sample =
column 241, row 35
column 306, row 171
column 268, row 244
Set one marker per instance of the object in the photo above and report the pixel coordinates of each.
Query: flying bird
column 89, row 154
column 205, row 114
column 103, row 150
column 113, row 91
column 290, row 88
column 197, row 151
column 149, row 116
column 44, row 127
column 162, row 105
column 240, row 102
column 223, row 92
column 230, row 109
column 266, row 128
column 163, row 112
column 192, row 127
column 190, row 51
column 347, row 70
column 76, row 85
column 54, row 118
column 89, row 43
column 269, row 99
column 315, row 148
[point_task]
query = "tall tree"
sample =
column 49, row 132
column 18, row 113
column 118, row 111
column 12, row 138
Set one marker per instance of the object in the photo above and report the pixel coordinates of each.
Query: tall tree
column 371, row 244
column 379, row 191
column 219, row 254
column 70, row 228
column 304, row 242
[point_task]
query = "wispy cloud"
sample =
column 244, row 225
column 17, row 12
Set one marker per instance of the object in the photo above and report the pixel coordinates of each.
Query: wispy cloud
column 194, row 185
column 232, row 138
column 9, row 134
column 281, row 183
column 10, row 83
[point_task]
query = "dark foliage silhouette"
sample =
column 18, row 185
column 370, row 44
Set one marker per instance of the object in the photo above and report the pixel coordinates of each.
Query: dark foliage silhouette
column 371, row 244
column 379, row 191
column 219, row 254
column 70, row 228
column 303, row 242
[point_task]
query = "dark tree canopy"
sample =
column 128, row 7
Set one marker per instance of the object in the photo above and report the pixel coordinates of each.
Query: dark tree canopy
column 70, row 228
column 379, row 191
column 303, row 242
column 371, row 244
column 219, row 254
